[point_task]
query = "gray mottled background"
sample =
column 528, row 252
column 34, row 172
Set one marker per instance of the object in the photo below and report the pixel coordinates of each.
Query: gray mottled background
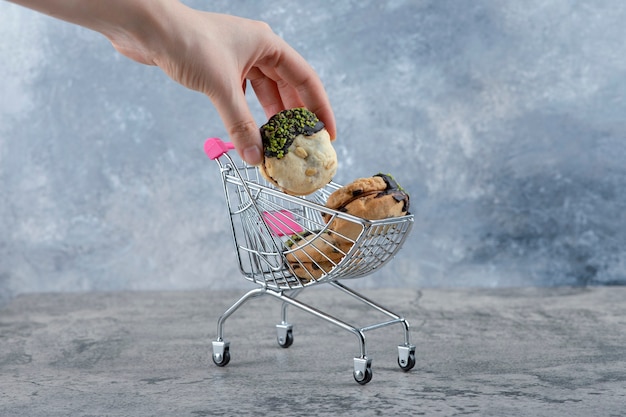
column 504, row 119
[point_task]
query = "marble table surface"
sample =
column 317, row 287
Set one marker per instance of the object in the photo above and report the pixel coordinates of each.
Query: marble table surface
column 484, row 352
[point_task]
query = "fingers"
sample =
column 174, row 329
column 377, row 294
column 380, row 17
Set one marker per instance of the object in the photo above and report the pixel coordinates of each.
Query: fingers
column 304, row 83
column 240, row 124
column 280, row 77
column 276, row 94
column 267, row 92
column 283, row 79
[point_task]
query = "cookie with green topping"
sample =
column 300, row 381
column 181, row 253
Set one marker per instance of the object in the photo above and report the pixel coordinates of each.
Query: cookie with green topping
column 299, row 157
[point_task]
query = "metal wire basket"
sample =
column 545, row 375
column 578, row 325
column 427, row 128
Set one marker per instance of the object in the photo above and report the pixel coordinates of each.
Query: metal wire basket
column 285, row 243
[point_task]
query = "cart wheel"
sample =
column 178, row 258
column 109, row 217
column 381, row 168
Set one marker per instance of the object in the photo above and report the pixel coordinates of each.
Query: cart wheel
column 406, row 357
column 408, row 364
column 287, row 340
column 363, row 378
column 223, row 358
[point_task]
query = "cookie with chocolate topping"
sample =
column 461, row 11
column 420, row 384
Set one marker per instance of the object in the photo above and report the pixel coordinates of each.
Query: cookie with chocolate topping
column 373, row 198
column 299, row 158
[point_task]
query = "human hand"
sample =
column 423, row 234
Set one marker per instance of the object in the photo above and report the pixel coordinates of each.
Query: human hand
column 217, row 54
column 212, row 53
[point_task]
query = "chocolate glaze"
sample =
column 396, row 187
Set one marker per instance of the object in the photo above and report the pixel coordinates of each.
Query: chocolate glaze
column 310, row 130
column 356, row 193
column 394, row 190
column 283, row 122
column 356, row 196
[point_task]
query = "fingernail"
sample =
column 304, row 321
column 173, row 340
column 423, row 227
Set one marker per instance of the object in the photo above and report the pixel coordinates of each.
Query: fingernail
column 252, row 155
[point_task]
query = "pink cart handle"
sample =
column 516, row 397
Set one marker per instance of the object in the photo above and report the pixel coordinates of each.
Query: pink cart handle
column 215, row 147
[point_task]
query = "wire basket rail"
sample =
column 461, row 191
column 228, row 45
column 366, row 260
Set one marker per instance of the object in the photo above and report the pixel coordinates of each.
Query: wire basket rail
column 286, row 243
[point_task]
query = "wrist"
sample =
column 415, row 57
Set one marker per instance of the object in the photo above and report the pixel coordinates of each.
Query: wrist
column 130, row 18
column 139, row 28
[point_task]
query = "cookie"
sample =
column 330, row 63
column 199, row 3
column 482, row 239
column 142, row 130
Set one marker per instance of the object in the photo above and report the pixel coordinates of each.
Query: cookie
column 299, row 158
column 311, row 255
column 311, row 270
column 313, row 247
column 372, row 198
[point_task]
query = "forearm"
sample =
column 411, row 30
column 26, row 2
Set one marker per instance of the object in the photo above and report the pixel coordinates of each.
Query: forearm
column 214, row 54
column 121, row 21
column 98, row 15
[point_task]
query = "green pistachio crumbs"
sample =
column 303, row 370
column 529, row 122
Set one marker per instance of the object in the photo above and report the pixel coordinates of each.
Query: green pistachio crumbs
column 394, row 189
column 390, row 181
column 282, row 128
column 296, row 237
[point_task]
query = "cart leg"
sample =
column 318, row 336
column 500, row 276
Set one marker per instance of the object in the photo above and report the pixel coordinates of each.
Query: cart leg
column 396, row 318
column 362, row 365
column 220, row 322
column 305, row 307
column 283, row 310
column 221, row 347
column 406, row 351
column 284, row 330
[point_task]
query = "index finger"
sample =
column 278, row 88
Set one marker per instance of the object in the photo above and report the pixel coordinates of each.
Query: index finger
column 293, row 68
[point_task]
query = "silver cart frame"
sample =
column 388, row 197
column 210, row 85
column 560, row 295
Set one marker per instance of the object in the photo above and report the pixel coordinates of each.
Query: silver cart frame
column 265, row 222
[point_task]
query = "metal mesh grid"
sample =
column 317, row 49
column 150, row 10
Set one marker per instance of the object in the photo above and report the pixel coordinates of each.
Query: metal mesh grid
column 285, row 242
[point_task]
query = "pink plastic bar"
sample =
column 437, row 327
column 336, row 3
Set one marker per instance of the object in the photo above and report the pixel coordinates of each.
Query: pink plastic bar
column 281, row 222
column 215, row 147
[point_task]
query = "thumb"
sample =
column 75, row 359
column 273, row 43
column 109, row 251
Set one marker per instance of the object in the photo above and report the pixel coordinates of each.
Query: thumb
column 240, row 125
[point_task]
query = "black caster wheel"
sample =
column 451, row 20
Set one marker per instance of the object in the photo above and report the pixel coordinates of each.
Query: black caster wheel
column 408, row 364
column 406, row 357
column 222, row 359
column 287, row 340
column 363, row 378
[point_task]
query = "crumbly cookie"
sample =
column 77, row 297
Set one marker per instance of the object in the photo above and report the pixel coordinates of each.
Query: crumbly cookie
column 314, row 254
column 313, row 247
column 373, row 198
column 299, row 156
column 311, row 270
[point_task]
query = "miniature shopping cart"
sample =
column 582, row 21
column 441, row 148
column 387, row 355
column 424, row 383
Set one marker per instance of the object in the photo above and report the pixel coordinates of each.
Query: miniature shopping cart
column 266, row 223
